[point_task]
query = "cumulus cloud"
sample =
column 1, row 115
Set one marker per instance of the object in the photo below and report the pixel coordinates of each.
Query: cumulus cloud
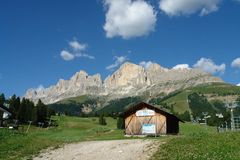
column 188, row 7
column 145, row 64
column 236, row 63
column 77, row 49
column 129, row 18
column 209, row 66
column 67, row 56
column 238, row 84
column 181, row 66
column 117, row 62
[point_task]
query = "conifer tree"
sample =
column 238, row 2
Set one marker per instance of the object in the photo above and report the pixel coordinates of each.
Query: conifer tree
column 14, row 105
column 22, row 111
column 41, row 111
column 2, row 99
column 120, row 123
column 102, row 120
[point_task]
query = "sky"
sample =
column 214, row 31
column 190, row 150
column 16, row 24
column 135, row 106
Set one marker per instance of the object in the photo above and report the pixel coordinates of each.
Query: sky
column 43, row 41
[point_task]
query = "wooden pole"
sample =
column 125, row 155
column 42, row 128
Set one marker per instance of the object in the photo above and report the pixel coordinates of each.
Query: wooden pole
column 28, row 126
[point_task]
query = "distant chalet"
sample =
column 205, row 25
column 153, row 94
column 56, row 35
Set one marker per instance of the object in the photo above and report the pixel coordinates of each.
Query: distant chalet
column 145, row 119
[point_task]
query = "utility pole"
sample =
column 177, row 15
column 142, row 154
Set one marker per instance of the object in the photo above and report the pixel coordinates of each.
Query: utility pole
column 232, row 106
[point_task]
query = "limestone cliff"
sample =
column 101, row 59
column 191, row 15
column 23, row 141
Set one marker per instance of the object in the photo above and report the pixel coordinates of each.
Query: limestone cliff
column 129, row 80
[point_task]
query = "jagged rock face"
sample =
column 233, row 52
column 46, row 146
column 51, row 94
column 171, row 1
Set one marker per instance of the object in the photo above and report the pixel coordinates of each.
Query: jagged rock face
column 81, row 83
column 128, row 75
column 129, row 80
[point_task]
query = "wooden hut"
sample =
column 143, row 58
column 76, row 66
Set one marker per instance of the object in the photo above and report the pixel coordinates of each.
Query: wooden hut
column 145, row 119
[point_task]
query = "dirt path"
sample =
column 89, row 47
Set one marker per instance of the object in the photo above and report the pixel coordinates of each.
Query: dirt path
column 103, row 150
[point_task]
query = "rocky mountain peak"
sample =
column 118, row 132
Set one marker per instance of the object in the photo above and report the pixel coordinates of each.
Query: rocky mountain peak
column 156, row 67
column 127, row 74
column 130, row 79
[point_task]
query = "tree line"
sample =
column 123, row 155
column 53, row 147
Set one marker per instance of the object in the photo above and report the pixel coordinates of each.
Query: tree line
column 25, row 110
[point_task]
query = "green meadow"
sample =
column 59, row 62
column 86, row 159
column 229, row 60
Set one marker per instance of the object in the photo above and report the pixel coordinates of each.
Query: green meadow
column 15, row 145
column 197, row 142
column 194, row 141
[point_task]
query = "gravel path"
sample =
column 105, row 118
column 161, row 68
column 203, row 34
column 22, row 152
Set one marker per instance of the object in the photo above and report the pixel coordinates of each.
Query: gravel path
column 103, row 150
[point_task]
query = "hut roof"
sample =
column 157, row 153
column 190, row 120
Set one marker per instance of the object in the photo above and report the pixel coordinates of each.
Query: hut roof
column 141, row 105
column 5, row 109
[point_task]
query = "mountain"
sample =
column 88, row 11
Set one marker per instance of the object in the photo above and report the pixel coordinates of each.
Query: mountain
column 130, row 80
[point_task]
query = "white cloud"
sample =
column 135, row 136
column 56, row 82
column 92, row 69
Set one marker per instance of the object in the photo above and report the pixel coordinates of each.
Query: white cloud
column 84, row 55
column 129, row 18
column 75, row 45
column 188, row 7
column 236, row 63
column 145, row 64
column 181, row 66
column 67, row 56
column 209, row 66
column 77, row 50
column 238, row 84
column 118, row 61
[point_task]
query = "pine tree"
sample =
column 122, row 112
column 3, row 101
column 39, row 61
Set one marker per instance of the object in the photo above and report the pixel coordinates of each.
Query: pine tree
column 17, row 107
column 22, row 111
column 102, row 120
column 34, row 114
column 14, row 105
column 120, row 123
column 29, row 108
column 41, row 111
column 2, row 99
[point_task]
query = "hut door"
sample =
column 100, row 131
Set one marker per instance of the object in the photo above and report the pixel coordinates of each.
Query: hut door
column 146, row 125
column 145, row 121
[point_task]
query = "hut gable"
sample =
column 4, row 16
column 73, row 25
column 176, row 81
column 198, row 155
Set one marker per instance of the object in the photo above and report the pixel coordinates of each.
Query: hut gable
column 146, row 119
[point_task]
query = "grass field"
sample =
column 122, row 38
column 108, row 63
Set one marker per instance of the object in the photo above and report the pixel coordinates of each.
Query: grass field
column 71, row 129
column 194, row 142
column 200, row 143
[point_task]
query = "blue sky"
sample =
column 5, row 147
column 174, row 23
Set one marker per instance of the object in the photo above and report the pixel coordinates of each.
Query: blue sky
column 43, row 41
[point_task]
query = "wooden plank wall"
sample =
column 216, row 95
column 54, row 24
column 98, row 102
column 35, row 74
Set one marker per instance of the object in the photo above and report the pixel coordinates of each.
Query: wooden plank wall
column 133, row 124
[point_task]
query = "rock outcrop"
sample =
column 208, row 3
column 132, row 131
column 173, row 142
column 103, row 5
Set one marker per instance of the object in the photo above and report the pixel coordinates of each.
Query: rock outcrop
column 129, row 80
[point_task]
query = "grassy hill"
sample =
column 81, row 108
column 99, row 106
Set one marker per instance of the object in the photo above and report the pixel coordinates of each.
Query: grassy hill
column 73, row 106
column 98, row 105
column 179, row 100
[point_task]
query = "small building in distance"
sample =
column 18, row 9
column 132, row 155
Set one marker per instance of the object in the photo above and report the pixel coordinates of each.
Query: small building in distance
column 4, row 114
column 145, row 119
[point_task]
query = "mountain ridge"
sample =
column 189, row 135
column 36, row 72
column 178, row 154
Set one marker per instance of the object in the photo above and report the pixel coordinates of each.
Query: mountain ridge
column 129, row 80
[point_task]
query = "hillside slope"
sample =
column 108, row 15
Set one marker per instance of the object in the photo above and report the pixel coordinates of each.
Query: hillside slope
column 215, row 91
column 176, row 102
